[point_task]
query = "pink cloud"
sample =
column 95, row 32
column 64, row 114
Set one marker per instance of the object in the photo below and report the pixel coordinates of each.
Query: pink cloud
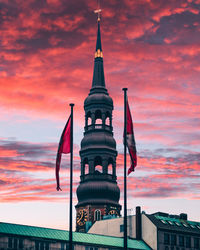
column 46, row 62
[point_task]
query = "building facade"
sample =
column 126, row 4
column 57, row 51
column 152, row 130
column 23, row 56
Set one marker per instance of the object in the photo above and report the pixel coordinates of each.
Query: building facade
column 161, row 231
column 98, row 193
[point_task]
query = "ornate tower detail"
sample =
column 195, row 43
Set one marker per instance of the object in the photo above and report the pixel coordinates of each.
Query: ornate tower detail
column 98, row 193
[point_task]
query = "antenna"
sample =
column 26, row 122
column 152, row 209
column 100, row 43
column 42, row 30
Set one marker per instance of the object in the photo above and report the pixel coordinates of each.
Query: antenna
column 98, row 11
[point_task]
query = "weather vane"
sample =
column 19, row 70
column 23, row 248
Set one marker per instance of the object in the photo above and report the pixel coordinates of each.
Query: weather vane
column 98, row 10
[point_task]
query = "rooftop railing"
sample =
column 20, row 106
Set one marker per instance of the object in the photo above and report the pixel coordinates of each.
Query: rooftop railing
column 98, row 126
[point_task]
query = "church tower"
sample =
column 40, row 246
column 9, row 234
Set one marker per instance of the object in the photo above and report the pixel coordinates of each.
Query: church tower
column 98, row 193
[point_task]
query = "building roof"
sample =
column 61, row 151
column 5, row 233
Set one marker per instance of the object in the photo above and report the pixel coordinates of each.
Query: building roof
column 63, row 235
column 174, row 223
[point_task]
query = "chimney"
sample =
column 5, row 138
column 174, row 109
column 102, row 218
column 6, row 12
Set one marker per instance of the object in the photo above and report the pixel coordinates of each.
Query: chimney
column 138, row 223
column 183, row 216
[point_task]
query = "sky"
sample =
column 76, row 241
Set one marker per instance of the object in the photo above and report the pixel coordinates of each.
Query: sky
column 46, row 62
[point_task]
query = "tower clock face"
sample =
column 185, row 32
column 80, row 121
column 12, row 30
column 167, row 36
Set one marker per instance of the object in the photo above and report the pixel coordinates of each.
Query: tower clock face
column 113, row 211
column 81, row 217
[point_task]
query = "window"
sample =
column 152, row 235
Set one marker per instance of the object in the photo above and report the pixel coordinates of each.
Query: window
column 172, row 248
column 110, row 166
column 173, row 239
column 98, row 169
column 97, row 214
column 166, row 238
column 163, row 221
column 98, row 122
column 10, row 242
column 36, row 245
column 15, row 243
column 178, row 224
column 62, row 246
column 86, row 166
column 98, row 117
column 98, row 165
column 166, row 248
column 181, row 240
column 188, row 241
column 88, row 119
column 67, row 247
column 122, row 228
column 108, row 119
column 20, row 244
column 196, row 243
column 41, row 245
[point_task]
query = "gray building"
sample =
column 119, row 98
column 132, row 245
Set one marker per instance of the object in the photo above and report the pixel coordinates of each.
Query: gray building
column 161, row 231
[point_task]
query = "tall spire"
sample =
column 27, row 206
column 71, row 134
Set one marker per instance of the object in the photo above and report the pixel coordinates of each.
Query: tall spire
column 98, row 193
column 98, row 75
column 98, row 52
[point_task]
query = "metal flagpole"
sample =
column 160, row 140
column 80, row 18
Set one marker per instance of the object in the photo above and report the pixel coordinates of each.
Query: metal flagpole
column 125, row 191
column 71, row 180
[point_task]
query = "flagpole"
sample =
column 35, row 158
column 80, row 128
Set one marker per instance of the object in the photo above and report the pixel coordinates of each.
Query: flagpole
column 71, row 179
column 125, row 189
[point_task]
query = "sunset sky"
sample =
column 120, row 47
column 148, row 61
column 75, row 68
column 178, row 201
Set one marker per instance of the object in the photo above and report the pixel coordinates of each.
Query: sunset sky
column 47, row 47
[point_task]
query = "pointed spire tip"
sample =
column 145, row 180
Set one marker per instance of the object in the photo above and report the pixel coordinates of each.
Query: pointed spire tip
column 98, row 52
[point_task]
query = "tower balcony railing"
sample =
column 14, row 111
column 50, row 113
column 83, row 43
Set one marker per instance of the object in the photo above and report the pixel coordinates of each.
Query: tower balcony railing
column 98, row 127
column 99, row 176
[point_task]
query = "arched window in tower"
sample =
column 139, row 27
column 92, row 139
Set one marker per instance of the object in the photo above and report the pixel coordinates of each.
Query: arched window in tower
column 97, row 214
column 98, row 165
column 107, row 121
column 98, row 119
column 110, row 166
column 86, row 166
column 89, row 119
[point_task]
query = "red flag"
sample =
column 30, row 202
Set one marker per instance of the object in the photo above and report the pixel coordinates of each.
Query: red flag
column 131, row 141
column 63, row 148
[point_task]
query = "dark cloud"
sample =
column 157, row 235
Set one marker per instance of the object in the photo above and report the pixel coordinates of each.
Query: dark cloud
column 24, row 149
column 161, row 192
column 175, row 29
column 172, row 161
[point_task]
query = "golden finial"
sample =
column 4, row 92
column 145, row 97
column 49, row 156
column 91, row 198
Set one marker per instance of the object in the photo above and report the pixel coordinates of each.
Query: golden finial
column 98, row 52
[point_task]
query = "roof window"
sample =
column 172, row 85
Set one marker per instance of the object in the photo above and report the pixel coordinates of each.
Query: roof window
column 163, row 221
